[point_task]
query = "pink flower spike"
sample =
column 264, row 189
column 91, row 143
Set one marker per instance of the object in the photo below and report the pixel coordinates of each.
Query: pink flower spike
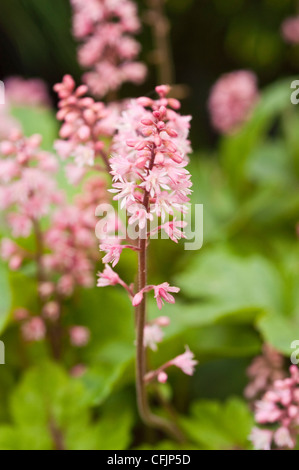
column 185, row 362
column 108, row 277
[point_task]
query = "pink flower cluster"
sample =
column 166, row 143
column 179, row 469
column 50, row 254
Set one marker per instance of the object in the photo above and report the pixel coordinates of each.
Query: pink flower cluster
column 71, row 239
column 26, row 92
column 85, row 123
column 66, row 252
column 149, row 176
column 290, row 30
column 263, row 372
column 279, row 409
column 27, row 188
column 150, row 179
column 109, row 50
column 232, row 100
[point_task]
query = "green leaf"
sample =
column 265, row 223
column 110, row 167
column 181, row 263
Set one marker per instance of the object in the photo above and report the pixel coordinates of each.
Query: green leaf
column 232, row 283
column 38, row 121
column 217, row 426
column 237, row 149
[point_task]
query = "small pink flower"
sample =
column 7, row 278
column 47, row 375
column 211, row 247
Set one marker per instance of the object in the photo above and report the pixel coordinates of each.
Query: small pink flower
column 15, row 262
column 108, row 277
column 78, row 370
column 162, row 377
column 162, row 321
column 8, row 248
column 80, row 336
column 283, row 438
column 185, row 362
column 173, row 229
column 290, row 30
column 162, row 293
column 20, row 314
column 46, row 289
column 261, row 438
column 152, row 335
column 51, row 311
column 113, row 253
column 232, row 100
column 34, row 329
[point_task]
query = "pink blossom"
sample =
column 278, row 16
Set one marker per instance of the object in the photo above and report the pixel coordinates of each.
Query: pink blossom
column 84, row 124
column 22, row 92
column 283, row 438
column 162, row 292
column 8, row 248
column 34, row 329
column 46, row 289
column 138, row 214
column 108, row 277
column 78, row 370
column 261, row 438
column 152, row 335
column 162, row 377
column 113, row 253
column 185, row 362
column 279, row 409
column 108, row 49
column 263, row 372
column 20, row 314
column 290, row 30
column 149, row 158
column 80, row 336
column 232, row 100
column 51, row 311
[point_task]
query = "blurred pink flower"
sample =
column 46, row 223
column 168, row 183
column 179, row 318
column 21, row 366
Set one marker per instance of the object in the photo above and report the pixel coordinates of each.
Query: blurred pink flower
column 34, row 329
column 232, row 100
column 26, row 92
column 80, row 336
column 108, row 49
column 279, row 409
column 185, row 362
column 290, row 30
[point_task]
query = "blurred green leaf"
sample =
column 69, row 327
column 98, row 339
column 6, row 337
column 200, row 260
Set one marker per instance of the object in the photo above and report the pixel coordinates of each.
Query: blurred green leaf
column 217, row 426
column 38, row 121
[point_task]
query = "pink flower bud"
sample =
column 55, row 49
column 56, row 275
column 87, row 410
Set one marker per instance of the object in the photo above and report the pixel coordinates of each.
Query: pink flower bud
column 162, row 377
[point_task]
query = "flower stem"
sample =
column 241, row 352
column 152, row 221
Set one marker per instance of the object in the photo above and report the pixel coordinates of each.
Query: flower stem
column 142, row 398
column 161, row 28
column 54, row 332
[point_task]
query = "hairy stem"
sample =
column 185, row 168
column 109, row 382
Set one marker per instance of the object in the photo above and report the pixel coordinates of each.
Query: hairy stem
column 142, row 398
